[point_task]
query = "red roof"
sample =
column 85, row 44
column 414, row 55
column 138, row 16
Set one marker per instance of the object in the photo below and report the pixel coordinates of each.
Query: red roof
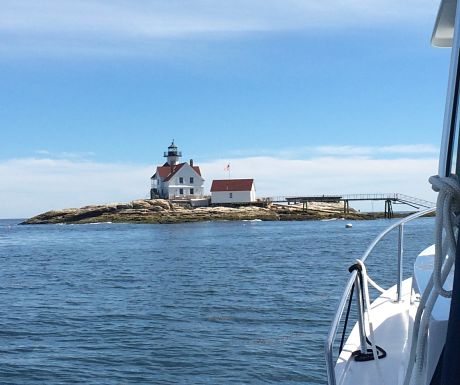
column 232, row 185
column 197, row 170
column 166, row 172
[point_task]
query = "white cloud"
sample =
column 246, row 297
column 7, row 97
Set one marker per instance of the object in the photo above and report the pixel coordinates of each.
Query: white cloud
column 331, row 175
column 413, row 149
column 96, row 25
column 42, row 152
column 30, row 185
column 65, row 154
column 304, row 152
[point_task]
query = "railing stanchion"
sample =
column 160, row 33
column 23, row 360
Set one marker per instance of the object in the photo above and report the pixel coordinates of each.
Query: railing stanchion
column 362, row 330
column 400, row 261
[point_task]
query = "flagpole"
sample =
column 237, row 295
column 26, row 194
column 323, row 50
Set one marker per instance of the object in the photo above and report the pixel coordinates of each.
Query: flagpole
column 228, row 170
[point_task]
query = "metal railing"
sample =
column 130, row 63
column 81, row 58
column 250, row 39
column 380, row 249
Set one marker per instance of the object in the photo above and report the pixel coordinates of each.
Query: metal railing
column 330, row 366
column 417, row 201
column 172, row 153
column 394, row 197
column 381, row 196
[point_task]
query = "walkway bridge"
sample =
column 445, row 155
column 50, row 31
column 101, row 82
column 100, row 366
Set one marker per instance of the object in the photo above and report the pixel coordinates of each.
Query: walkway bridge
column 389, row 199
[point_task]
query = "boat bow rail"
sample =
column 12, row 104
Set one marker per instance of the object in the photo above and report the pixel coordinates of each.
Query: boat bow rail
column 354, row 281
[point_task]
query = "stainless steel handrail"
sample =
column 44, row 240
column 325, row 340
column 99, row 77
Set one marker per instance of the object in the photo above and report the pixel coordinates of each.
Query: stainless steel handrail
column 330, row 366
column 334, row 327
column 403, row 221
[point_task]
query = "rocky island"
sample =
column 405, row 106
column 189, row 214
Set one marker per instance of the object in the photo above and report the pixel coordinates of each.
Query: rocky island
column 164, row 211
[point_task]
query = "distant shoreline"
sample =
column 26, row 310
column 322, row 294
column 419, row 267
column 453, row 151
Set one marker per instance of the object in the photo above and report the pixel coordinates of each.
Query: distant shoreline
column 163, row 211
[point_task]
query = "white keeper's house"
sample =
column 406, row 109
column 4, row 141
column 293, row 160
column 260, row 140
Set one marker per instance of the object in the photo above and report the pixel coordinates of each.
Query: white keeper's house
column 233, row 191
column 176, row 180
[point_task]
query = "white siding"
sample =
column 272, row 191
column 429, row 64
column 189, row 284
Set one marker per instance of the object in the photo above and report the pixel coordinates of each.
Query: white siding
column 233, row 196
column 174, row 185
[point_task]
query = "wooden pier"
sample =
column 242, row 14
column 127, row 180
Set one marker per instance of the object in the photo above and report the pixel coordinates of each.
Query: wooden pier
column 389, row 199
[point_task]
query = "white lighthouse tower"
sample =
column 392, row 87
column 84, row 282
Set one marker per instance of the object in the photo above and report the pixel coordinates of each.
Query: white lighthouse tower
column 172, row 154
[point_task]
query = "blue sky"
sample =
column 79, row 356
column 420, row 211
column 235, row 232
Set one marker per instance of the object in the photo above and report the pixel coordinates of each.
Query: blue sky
column 98, row 90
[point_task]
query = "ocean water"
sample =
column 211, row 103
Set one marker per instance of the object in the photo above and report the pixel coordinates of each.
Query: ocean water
column 200, row 303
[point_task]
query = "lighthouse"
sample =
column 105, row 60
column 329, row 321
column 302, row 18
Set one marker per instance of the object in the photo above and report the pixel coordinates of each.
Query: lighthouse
column 174, row 180
column 172, row 154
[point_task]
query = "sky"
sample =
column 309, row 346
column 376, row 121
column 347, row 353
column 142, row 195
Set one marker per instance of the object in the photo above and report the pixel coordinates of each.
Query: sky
column 306, row 97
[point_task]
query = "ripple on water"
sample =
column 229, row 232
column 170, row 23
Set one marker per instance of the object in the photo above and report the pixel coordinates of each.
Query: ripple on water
column 203, row 303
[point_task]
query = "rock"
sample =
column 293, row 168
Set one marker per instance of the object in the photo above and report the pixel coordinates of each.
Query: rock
column 163, row 203
column 121, row 206
column 140, row 204
column 163, row 211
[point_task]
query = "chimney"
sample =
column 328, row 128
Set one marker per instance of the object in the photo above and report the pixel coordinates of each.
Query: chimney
column 191, row 162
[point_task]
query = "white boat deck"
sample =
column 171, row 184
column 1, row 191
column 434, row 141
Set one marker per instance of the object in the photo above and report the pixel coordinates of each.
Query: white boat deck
column 392, row 326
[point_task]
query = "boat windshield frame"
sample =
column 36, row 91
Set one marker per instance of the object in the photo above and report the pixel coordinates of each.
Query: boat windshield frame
column 449, row 154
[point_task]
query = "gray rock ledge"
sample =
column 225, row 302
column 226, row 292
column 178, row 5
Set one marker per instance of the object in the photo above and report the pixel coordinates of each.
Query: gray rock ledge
column 163, row 211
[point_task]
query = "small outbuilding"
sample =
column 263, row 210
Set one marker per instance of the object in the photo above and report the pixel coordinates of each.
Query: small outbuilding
column 233, row 191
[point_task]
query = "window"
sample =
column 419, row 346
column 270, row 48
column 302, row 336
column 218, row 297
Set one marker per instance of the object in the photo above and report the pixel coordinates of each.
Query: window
column 181, row 180
column 192, row 191
column 450, row 156
column 230, row 195
column 181, row 191
column 191, row 179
